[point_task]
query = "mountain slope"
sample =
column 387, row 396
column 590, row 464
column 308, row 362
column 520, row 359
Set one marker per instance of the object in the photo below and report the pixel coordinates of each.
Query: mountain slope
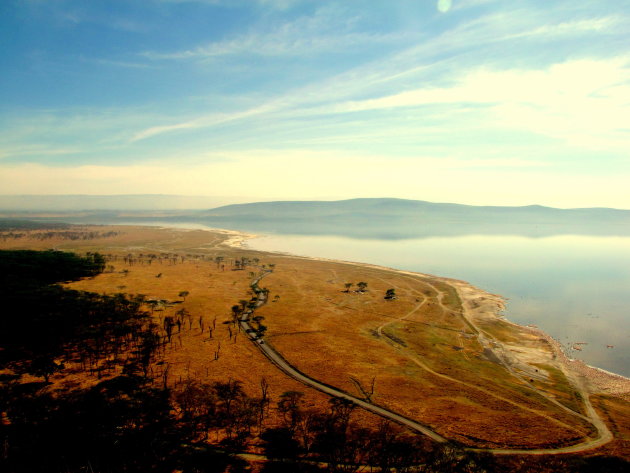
column 416, row 210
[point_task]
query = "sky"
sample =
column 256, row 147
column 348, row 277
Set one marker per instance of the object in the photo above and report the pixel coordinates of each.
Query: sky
column 486, row 102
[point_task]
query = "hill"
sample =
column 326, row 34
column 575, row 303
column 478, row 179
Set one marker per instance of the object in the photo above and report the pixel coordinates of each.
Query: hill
column 398, row 218
column 382, row 218
column 401, row 208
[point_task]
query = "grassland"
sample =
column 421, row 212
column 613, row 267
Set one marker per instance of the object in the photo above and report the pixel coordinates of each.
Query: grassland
column 437, row 353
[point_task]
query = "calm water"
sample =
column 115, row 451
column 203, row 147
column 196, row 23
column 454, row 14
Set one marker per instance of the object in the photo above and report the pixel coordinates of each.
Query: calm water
column 576, row 288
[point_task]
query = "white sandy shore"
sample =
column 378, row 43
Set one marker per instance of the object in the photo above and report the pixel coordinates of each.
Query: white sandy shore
column 596, row 379
column 235, row 239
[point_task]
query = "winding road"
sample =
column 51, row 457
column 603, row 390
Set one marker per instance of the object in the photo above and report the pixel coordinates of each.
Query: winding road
column 604, row 434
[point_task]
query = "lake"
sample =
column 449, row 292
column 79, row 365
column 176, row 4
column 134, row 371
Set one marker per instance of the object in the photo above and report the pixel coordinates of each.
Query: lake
column 576, row 288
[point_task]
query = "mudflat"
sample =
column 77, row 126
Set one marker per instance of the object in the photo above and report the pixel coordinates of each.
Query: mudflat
column 437, row 352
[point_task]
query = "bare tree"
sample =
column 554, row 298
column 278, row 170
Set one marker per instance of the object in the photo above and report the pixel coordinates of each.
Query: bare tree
column 263, row 406
column 365, row 392
column 289, row 405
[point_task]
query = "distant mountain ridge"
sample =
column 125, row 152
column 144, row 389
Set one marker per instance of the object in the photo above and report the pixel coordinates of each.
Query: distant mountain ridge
column 415, row 210
column 383, row 218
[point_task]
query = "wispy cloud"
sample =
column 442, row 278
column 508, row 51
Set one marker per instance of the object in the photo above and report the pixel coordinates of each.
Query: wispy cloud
column 38, row 150
column 356, row 95
column 204, row 121
column 597, row 25
column 287, row 42
column 157, row 130
column 275, row 4
column 328, row 30
column 560, row 83
column 549, row 101
column 116, row 63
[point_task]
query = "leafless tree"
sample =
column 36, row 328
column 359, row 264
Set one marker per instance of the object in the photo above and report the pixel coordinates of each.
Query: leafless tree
column 366, row 393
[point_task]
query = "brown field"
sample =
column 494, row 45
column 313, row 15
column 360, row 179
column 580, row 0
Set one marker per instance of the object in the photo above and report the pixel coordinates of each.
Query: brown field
column 437, row 354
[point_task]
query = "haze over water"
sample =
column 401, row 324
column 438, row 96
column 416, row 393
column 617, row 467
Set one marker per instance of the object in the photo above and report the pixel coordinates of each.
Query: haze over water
column 573, row 287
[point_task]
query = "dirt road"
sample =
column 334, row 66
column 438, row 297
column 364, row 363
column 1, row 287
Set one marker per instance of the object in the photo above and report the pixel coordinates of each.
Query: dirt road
column 604, row 434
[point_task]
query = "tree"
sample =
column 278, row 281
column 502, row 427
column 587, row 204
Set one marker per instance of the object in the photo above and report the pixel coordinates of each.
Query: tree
column 169, row 323
column 183, row 294
column 348, row 285
column 44, row 366
column 367, row 394
column 228, row 393
column 263, row 402
column 290, row 406
column 182, row 314
column 362, row 286
column 390, row 294
column 196, row 403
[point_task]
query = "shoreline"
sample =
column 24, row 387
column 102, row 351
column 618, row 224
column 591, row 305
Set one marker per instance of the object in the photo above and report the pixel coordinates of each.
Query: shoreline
column 599, row 380
column 491, row 366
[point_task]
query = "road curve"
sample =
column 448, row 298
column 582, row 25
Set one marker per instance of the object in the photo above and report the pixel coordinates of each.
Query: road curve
column 281, row 363
column 294, row 373
column 277, row 359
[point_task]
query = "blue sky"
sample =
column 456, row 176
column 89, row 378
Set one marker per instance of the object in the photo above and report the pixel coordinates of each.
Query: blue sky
column 472, row 101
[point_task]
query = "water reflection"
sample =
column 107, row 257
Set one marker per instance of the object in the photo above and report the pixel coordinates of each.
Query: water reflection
column 396, row 228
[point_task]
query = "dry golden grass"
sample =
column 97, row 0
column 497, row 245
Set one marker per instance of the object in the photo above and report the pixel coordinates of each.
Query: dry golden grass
column 616, row 413
column 422, row 353
column 426, row 363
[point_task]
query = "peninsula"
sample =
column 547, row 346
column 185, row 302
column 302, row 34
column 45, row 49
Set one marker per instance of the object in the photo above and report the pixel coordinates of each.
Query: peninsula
column 434, row 357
